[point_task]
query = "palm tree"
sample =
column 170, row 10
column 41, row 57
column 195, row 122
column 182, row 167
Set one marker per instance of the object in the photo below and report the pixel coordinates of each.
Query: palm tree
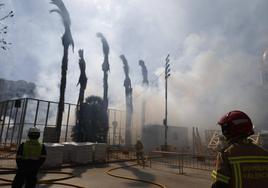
column 145, row 84
column 67, row 40
column 83, row 83
column 105, row 68
column 83, row 77
column 129, row 105
column 144, row 72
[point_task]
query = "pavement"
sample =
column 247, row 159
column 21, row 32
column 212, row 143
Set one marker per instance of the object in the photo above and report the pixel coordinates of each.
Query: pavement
column 96, row 177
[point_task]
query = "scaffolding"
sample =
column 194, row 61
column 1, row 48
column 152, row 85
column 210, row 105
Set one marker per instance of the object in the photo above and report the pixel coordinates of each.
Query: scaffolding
column 214, row 140
column 217, row 140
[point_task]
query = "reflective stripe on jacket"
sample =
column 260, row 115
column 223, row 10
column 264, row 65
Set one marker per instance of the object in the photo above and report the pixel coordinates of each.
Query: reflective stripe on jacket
column 242, row 165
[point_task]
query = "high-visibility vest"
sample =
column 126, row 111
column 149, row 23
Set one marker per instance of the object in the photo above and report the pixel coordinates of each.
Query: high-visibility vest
column 32, row 150
column 139, row 146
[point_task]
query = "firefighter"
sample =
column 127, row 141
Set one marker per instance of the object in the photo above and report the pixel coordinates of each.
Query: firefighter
column 241, row 164
column 139, row 152
column 30, row 157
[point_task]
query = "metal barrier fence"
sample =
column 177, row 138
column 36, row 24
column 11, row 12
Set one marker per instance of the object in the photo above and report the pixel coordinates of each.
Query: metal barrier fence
column 168, row 161
column 177, row 161
column 16, row 116
column 20, row 114
column 7, row 157
column 121, row 154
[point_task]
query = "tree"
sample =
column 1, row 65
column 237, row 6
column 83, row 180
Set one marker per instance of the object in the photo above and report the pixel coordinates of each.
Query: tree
column 105, row 68
column 129, row 104
column 145, row 84
column 67, row 40
column 82, row 81
column 4, row 29
column 83, row 77
column 93, row 121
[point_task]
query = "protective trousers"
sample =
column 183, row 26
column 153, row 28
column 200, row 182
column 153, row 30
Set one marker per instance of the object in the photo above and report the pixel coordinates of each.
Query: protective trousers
column 27, row 178
column 140, row 157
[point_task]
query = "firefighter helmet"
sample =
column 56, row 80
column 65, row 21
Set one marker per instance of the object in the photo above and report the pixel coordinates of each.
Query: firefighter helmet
column 235, row 124
column 34, row 133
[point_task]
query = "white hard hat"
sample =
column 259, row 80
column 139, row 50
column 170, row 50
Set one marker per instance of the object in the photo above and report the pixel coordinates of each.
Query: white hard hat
column 34, row 130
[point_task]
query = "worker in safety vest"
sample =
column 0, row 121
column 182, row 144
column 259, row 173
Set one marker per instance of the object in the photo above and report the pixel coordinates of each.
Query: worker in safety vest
column 30, row 157
column 241, row 164
column 139, row 151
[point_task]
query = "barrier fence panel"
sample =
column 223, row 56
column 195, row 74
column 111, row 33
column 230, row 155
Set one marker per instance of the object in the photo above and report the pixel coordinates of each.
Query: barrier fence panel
column 120, row 154
column 11, row 118
column 174, row 161
column 18, row 115
column 116, row 134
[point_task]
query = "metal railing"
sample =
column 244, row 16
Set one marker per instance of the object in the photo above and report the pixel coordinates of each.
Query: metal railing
column 17, row 115
column 20, row 114
column 177, row 161
column 167, row 161
column 120, row 154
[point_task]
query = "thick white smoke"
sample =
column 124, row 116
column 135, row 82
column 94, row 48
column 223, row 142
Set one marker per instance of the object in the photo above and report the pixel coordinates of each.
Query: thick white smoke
column 215, row 50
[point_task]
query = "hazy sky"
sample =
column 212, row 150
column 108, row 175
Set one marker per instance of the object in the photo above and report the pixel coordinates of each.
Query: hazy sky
column 215, row 50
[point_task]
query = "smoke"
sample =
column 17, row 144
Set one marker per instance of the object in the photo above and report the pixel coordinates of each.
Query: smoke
column 215, row 50
column 213, row 83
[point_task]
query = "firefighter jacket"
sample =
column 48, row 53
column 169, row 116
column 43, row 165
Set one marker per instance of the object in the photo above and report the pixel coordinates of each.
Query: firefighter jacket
column 242, row 165
column 31, row 155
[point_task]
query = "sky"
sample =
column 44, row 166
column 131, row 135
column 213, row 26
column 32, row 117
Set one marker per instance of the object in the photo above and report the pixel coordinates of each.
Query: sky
column 215, row 52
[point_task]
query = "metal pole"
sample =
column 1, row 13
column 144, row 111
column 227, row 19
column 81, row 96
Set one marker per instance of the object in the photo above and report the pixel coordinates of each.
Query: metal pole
column 3, row 123
column 166, row 113
column 114, row 131
column 109, row 128
column 67, row 123
column 48, row 106
column 20, row 124
column 10, row 114
column 14, row 125
column 167, row 74
column 1, row 111
column 23, row 118
column 120, row 128
column 194, row 141
column 36, row 113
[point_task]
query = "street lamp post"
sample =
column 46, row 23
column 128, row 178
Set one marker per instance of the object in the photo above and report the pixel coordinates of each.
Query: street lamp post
column 167, row 74
column 114, row 131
